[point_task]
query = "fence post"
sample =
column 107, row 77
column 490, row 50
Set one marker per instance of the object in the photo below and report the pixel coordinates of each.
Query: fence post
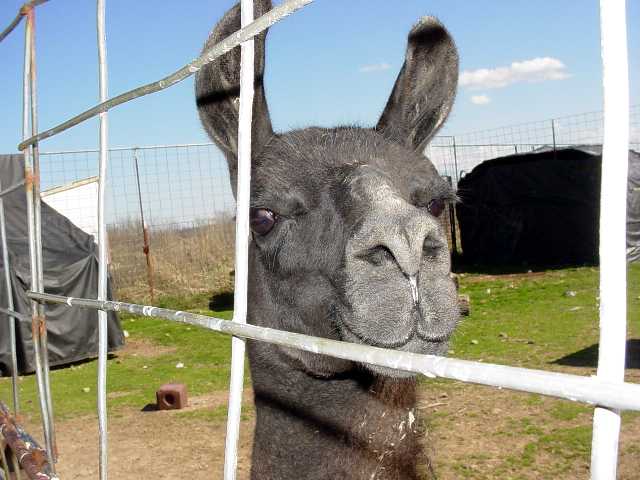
column 455, row 159
column 553, row 134
column 102, row 244
column 32, row 190
column 238, row 344
column 613, row 262
column 145, row 230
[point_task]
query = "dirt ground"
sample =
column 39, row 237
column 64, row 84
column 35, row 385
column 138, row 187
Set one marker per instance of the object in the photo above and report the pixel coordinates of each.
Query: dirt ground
column 471, row 435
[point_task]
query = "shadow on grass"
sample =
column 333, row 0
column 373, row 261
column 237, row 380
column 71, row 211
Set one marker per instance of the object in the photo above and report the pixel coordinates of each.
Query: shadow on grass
column 588, row 357
column 221, row 301
column 459, row 265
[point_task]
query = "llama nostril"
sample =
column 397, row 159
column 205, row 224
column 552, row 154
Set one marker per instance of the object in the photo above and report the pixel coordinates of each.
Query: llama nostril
column 415, row 293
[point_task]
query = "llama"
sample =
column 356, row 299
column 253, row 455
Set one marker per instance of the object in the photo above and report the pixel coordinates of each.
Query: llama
column 346, row 244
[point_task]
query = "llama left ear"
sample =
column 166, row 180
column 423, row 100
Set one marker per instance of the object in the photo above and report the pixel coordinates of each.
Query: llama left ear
column 424, row 91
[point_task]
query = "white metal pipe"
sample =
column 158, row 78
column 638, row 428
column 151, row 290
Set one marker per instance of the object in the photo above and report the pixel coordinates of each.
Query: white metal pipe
column 102, row 246
column 613, row 203
column 242, row 243
column 10, row 306
column 591, row 390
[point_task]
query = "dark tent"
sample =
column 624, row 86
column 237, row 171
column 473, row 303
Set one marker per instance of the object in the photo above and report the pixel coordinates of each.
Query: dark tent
column 70, row 269
column 540, row 208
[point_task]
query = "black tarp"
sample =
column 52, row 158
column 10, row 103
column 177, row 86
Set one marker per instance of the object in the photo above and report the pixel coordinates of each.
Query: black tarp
column 70, row 269
column 540, row 208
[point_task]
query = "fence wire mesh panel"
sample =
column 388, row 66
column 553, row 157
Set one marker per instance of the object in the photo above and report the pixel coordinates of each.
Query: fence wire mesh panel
column 457, row 155
column 184, row 194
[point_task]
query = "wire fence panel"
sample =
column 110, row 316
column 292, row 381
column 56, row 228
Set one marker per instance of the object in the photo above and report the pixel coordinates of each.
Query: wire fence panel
column 191, row 241
column 188, row 210
column 457, row 155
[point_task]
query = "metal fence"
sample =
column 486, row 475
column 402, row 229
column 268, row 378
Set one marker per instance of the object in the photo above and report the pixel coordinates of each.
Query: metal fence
column 607, row 391
column 457, row 155
column 169, row 215
column 157, row 221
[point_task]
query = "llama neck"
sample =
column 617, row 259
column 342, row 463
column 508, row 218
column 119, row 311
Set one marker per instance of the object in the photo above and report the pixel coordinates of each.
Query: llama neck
column 354, row 426
column 312, row 422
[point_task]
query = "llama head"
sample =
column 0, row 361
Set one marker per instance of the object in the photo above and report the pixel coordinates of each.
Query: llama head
column 346, row 239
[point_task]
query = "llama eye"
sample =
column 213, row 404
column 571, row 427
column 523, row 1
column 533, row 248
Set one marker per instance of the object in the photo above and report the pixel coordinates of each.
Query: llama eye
column 436, row 207
column 261, row 220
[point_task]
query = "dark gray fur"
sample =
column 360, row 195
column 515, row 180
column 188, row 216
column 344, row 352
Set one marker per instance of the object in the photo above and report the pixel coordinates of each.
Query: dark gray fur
column 353, row 229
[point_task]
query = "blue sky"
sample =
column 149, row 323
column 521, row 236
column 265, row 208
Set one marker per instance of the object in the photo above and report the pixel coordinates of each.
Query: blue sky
column 334, row 62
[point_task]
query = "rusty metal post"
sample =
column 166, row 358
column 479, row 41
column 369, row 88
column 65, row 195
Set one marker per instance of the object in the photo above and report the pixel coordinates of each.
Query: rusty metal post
column 146, row 246
column 32, row 458
column 38, row 325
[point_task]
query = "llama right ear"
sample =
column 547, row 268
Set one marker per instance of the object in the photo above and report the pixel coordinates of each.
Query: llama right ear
column 424, row 91
column 218, row 91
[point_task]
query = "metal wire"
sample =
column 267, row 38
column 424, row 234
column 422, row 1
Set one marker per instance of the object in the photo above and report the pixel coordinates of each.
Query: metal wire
column 232, row 41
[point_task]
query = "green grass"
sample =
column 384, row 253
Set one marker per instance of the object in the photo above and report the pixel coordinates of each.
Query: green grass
column 532, row 322
column 133, row 380
column 525, row 321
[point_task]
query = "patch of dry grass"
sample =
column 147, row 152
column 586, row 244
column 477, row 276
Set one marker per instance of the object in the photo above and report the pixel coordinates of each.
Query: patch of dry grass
column 184, row 261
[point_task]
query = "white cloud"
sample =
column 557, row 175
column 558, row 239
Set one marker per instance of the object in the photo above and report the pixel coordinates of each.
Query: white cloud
column 535, row 70
column 480, row 99
column 375, row 67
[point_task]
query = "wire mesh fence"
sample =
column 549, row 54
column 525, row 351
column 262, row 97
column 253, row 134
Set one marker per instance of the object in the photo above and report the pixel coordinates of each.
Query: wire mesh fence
column 459, row 154
column 179, row 193
column 181, row 197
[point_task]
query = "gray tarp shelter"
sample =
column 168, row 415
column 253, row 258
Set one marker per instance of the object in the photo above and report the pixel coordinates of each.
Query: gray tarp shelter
column 70, row 269
column 540, row 208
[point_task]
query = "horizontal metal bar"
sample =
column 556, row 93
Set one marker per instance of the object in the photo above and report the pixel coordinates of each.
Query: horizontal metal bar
column 591, row 390
column 21, row 13
column 219, row 49
column 13, row 313
column 32, row 458
column 12, row 188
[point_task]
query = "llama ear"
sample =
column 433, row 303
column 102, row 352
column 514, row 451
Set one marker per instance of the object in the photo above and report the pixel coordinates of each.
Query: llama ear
column 218, row 91
column 424, row 91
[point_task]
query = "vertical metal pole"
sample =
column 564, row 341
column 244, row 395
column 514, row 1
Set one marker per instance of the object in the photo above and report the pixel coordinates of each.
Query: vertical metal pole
column 38, row 325
column 613, row 201
column 515, row 147
column 102, row 245
column 553, row 134
column 10, row 306
column 242, row 244
column 44, row 349
column 455, row 159
column 145, row 230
